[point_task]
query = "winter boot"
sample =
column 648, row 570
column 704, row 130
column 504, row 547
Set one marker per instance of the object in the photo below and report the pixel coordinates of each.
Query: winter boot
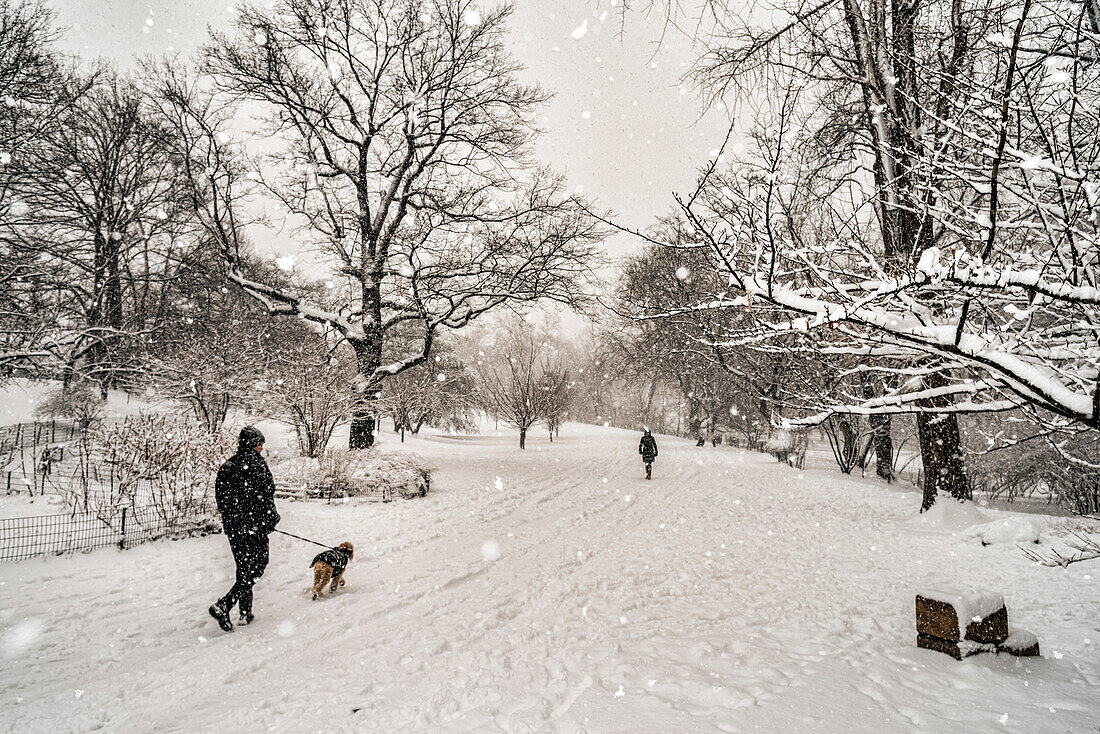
column 221, row 615
column 648, row 471
column 245, row 618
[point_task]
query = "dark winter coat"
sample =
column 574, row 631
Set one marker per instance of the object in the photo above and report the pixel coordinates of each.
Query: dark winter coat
column 335, row 557
column 245, row 493
column 648, row 448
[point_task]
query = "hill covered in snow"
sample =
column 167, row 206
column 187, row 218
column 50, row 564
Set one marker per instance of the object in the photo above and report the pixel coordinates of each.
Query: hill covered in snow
column 556, row 590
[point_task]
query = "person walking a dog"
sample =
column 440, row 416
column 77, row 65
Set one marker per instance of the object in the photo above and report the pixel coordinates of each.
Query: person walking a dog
column 648, row 449
column 245, row 494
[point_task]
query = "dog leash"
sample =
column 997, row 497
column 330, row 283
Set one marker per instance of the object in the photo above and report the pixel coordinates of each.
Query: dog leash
column 299, row 537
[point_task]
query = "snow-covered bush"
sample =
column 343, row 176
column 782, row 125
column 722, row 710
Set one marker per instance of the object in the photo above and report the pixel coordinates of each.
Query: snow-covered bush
column 347, row 473
column 81, row 402
column 162, row 465
column 1004, row 531
column 787, row 446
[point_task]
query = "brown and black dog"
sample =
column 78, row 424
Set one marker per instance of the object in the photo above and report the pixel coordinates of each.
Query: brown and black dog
column 328, row 566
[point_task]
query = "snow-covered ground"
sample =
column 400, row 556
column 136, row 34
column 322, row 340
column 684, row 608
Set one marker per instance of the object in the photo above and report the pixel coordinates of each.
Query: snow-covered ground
column 21, row 397
column 555, row 590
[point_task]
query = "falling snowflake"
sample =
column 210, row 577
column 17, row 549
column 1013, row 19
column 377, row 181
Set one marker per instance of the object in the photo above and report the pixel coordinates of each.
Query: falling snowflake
column 682, row 272
column 490, row 550
column 580, row 31
column 22, row 637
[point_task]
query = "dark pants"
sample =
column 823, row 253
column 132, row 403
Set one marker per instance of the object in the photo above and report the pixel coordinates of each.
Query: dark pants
column 250, row 554
column 648, row 467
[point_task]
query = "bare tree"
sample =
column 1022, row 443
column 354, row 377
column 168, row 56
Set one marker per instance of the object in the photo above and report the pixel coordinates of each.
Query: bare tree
column 952, row 157
column 214, row 346
column 522, row 379
column 107, row 225
column 309, row 384
column 211, row 369
column 439, row 392
column 35, row 90
column 400, row 146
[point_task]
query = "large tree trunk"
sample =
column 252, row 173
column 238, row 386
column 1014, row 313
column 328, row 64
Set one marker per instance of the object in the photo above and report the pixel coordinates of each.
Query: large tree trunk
column 523, row 438
column 368, row 357
column 940, row 449
column 362, row 425
column 941, row 454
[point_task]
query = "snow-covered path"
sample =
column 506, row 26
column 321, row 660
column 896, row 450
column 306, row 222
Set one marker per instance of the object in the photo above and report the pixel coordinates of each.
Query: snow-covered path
column 728, row 594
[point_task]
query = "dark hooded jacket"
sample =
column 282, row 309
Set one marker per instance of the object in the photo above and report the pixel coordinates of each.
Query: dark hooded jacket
column 245, row 493
column 648, row 448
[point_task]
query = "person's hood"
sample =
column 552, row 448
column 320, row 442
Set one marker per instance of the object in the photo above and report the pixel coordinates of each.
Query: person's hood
column 250, row 438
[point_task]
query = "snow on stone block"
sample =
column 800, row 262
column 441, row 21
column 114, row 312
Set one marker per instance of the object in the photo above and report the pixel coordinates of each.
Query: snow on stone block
column 1020, row 643
column 978, row 616
column 1009, row 530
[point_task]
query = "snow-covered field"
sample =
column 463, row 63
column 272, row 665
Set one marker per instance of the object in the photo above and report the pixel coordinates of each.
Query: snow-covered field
column 557, row 591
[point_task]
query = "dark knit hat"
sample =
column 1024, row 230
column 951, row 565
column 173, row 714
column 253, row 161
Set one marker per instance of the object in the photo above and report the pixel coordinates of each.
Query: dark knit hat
column 250, row 438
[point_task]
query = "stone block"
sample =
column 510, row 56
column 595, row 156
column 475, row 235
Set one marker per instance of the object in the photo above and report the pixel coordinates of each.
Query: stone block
column 1021, row 644
column 992, row 629
column 981, row 619
column 957, row 650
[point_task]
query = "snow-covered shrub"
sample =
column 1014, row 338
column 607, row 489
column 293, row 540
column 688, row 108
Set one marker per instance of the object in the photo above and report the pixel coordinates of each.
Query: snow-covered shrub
column 347, row 473
column 779, row 440
column 162, row 465
column 1004, row 531
column 81, row 402
column 787, row 446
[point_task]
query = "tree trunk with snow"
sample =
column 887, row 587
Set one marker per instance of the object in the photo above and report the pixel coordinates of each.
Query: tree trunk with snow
column 941, row 455
column 884, row 447
column 941, row 449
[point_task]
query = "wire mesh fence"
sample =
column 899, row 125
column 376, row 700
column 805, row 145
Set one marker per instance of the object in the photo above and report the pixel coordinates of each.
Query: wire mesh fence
column 26, row 537
column 30, row 453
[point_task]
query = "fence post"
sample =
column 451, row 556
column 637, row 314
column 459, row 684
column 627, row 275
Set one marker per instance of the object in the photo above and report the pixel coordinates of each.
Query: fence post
column 122, row 540
column 53, row 430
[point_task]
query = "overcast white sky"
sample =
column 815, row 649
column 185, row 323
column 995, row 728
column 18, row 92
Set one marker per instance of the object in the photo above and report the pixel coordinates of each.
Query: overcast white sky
column 621, row 125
